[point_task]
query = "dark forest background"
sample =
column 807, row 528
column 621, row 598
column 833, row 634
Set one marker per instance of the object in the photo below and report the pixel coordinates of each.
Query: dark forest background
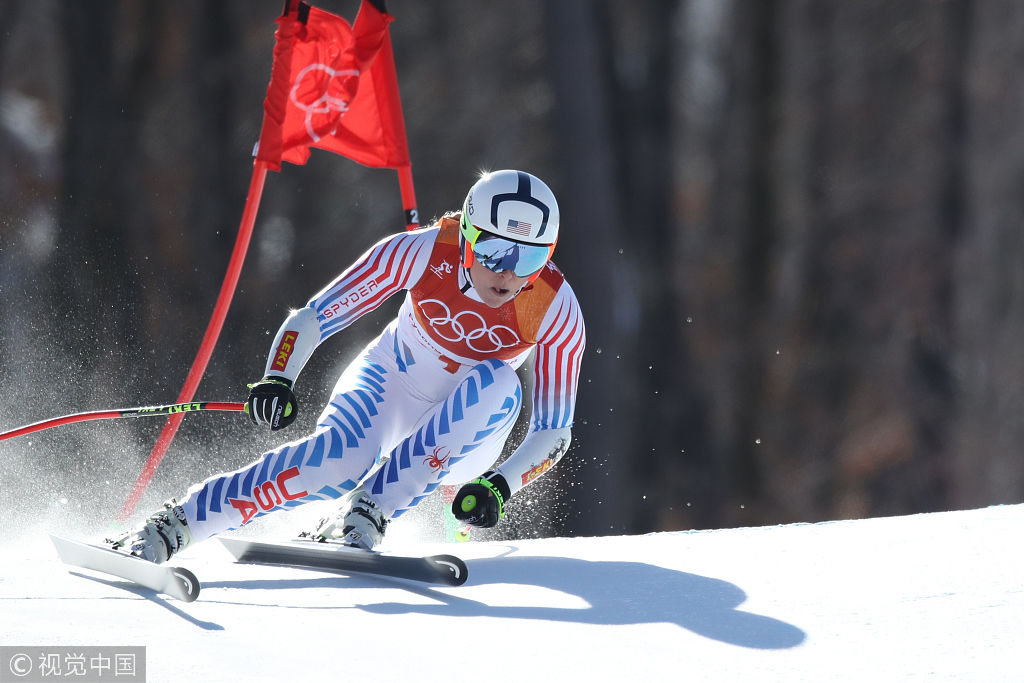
column 795, row 228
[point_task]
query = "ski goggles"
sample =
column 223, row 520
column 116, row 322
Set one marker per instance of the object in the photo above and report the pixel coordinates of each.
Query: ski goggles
column 499, row 253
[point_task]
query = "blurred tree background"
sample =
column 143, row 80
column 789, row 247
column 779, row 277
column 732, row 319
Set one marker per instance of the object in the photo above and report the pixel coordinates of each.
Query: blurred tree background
column 795, row 228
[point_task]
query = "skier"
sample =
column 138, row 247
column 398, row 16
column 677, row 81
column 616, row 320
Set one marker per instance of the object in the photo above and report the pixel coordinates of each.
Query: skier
column 432, row 399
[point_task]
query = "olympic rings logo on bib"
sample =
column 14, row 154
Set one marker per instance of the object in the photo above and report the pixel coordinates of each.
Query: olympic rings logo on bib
column 467, row 326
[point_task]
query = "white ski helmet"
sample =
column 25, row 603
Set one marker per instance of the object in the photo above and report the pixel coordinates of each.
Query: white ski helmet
column 509, row 222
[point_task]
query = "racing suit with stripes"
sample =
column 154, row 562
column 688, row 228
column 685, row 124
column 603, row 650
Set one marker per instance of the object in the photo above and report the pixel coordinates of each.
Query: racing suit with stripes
column 432, row 399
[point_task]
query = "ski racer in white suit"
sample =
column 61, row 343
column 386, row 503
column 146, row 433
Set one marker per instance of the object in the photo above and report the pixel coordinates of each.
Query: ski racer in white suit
column 430, row 400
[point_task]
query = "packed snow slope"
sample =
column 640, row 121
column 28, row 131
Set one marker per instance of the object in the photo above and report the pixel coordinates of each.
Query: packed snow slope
column 937, row 597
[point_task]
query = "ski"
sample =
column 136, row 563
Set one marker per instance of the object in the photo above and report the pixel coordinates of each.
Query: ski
column 440, row 569
column 174, row 581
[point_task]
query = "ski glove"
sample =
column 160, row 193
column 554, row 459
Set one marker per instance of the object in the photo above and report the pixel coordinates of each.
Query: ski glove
column 481, row 502
column 271, row 402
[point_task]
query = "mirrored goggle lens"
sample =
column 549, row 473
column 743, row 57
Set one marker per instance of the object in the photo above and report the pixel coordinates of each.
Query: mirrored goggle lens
column 498, row 254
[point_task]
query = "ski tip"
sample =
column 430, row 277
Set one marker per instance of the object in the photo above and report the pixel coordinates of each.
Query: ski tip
column 451, row 567
column 58, row 544
column 66, row 547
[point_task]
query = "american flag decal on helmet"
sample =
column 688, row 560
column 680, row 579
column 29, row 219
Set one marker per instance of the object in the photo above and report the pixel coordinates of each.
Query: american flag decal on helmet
column 519, row 227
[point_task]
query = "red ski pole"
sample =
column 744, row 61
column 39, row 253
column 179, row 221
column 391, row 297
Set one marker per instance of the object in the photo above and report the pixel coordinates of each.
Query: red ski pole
column 146, row 411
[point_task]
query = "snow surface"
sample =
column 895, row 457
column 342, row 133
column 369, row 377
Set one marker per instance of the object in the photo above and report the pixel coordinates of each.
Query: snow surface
column 936, row 597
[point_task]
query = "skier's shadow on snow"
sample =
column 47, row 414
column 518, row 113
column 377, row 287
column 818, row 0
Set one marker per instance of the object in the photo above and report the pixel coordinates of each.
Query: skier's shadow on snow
column 618, row 593
column 154, row 597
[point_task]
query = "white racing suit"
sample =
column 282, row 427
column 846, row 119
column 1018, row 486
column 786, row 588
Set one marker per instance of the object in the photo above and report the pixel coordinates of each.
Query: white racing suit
column 432, row 399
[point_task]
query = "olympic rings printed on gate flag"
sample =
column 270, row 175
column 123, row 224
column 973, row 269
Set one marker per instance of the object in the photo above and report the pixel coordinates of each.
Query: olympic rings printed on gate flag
column 480, row 338
column 319, row 80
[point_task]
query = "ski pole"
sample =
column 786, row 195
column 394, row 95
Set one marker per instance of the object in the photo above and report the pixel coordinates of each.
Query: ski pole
column 146, row 411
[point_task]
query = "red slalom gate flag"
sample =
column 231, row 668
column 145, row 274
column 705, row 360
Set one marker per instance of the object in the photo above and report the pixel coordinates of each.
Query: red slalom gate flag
column 333, row 86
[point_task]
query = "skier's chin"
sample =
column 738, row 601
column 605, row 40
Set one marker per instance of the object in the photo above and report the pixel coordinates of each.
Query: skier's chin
column 495, row 297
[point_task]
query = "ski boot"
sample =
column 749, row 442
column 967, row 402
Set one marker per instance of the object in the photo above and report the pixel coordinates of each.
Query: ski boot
column 164, row 534
column 359, row 524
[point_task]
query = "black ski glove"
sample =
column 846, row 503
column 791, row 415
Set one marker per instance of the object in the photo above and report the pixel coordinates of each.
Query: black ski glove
column 481, row 502
column 271, row 402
